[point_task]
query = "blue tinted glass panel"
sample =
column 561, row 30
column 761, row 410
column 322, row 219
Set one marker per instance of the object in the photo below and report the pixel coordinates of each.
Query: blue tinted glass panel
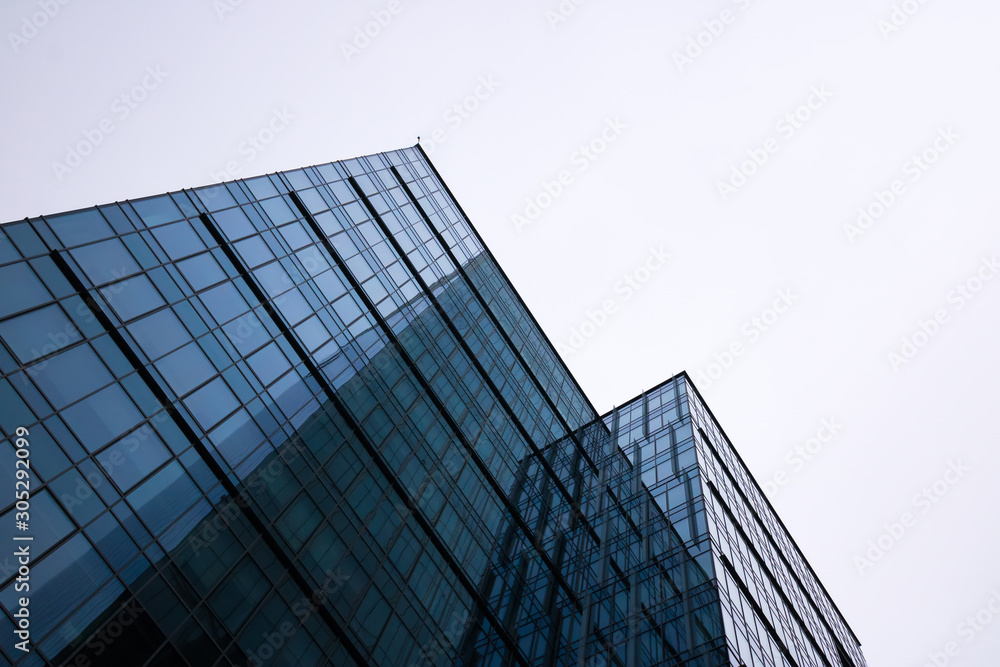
column 78, row 496
column 211, row 403
column 103, row 417
column 202, row 271
column 289, row 393
column 159, row 333
column 25, row 239
column 331, row 285
column 38, row 333
column 112, row 541
column 129, row 460
column 312, row 333
column 236, row 437
column 224, row 302
column 133, row 297
column 277, row 210
column 22, row 289
column 164, row 497
column 261, row 187
column 296, row 236
column 81, row 227
column 48, row 459
column 186, row 368
column 254, row 251
column 105, row 261
column 157, row 210
column 246, row 333
column 70, row 375
column 269, row 364
column 293, row 306
column 273, row 278
column 52, row 277
column 116, row 216
column 234, row 223
column 8, row 253
column 215, row 197
column 178, row 240
column 347, row 308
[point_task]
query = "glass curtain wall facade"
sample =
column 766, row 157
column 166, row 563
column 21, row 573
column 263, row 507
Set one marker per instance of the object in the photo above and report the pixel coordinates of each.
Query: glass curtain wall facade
column 305, row 419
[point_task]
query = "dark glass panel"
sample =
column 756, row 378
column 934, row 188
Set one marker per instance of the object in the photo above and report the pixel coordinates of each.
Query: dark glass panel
column 24, row 237
column 202, row 271
column 78, row 496
column 38, row 333
column 105, row 261
column 164, row 497
column 157, row 210
column 70, row 375
column 224, row 302
column 102, row 417
column 178, row 240
column 159, row 333
column 211, row 403
column 186, row 368
column 21, row 288
column 132, row 297
column 132, row 458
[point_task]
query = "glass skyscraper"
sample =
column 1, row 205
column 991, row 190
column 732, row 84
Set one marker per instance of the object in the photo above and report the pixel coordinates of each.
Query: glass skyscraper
column 305, row 419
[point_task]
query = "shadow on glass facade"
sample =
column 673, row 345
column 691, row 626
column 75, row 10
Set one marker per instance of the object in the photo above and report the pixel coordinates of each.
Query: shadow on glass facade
column 305, row 419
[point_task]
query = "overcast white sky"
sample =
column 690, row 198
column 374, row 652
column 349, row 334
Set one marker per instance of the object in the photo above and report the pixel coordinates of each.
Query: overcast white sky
column 201, row 77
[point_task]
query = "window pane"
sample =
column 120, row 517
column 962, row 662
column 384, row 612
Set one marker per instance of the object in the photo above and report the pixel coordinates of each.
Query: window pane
column 178, row 240
column 103, row 417
column 254, row 251
column 112, row 541
column 215, row 197
column 261, row 187
column 224, row 302
column 273, row 278
column 133, row 457
column 277, row 210
column 234, row 223
column 105, row 261
column 296, row 235
column 202, row 271
column 81, row 227
column 159, row 333
column 236, row 437
column 211, row 403
column 269, row 364
column 186, row 368
column 247, row 333
column 71, row 375
column 29, row 289
column 239, row 593
column 78, row 495
column 157, row 210
column 38, row 333
column 164, row 497
column 133, row 297
column 312, row 333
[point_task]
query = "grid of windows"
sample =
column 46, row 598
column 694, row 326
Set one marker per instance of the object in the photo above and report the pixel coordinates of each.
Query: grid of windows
column 304, row 418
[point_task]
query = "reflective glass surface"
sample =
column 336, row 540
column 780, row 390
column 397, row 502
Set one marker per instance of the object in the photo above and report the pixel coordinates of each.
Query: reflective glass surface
column 305, row 419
